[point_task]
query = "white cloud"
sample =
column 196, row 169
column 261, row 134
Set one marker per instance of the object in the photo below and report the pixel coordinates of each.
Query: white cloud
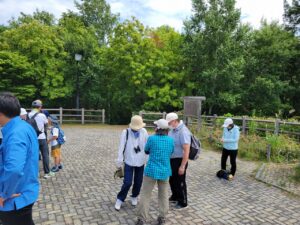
column 253, row 11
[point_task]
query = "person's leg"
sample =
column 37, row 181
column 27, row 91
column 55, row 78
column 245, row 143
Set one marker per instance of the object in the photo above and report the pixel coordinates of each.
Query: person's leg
column 138, row 180
column 182, row 189
column 175, row 164
column 143, row 208
column 45, row 155
column 17, row 217
column 163, row 202
column 224, row 157
column 128, row 174
column 233, row 155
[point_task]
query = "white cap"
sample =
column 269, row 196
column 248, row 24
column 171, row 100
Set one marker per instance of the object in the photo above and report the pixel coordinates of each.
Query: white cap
column 162, row 124
column 171, row 116
column 23, row 112
column 227, row 122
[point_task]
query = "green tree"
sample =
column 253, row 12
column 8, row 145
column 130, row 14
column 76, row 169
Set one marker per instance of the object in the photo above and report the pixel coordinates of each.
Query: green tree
column 43, row 17
column 97, row 13
column 292, row 16
column 16, row 75
column 41, row 46
column 214, row 42
column 81, row 75
column 269, row 80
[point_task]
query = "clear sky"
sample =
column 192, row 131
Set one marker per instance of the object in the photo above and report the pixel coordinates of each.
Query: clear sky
column 151, row 12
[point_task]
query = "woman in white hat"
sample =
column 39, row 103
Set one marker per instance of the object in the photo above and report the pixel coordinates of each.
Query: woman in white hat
column 23, row 114
column 158, row 170
column 133, row 157
column 230, row 139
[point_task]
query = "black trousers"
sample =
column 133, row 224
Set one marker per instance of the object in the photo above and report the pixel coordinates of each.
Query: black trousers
column 45, row 154
column 233, row 155
column 178, row 183
column 17, row 217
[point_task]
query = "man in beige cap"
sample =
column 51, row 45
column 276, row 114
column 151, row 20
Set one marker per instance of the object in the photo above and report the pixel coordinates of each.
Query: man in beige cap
column 132, row 156
column 179, row 160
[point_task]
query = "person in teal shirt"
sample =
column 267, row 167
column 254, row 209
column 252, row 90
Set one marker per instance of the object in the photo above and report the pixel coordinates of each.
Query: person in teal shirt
column 159, row 147
column 19, row 185
column 230, row 139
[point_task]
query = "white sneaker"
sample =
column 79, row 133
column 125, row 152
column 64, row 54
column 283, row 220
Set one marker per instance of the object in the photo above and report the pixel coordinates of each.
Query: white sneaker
column 134, row 201
column 118, row 204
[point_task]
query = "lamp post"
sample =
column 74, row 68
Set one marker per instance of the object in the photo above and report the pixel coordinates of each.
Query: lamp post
column 78, row 58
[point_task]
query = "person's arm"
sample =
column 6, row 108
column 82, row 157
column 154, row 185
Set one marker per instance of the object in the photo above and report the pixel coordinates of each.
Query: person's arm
column 235, row 138
column 120, row 158
column 14, row 161
column 186, row 143
column 54, row 135
column 147, row 147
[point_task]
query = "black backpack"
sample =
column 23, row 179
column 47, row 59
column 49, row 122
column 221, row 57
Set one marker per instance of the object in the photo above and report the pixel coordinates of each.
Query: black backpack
column 223, row 174
column 195, row 148
column 33, row 123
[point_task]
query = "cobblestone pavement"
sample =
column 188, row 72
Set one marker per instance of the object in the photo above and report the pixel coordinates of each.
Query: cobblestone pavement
column 279, row 175
column 85, row 191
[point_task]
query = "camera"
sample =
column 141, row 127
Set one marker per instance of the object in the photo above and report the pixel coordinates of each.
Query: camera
column 137, row 149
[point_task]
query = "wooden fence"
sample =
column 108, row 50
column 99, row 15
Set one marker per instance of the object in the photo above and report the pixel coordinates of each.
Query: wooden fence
column 82, row 115
column 246, row 124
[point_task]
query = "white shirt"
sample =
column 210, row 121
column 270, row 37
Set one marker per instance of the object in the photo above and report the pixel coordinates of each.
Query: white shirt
column 54, row 133
column 41, row 121
column 131, row 157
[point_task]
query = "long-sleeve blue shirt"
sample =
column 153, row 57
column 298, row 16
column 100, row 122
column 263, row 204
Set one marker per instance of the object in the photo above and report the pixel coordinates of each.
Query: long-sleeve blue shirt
column 231, row 138
column 18, row 165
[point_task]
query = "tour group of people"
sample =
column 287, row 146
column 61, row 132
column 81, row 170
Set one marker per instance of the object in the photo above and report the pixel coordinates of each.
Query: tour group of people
column 162, row 159
column 24, row 139
column 165, row 154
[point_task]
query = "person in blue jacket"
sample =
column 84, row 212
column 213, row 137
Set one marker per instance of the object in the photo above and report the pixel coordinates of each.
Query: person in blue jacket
column 230, row 139
column 19, row 185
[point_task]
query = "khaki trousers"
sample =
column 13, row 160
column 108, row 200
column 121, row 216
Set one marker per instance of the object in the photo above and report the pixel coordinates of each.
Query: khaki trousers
column 163, row 202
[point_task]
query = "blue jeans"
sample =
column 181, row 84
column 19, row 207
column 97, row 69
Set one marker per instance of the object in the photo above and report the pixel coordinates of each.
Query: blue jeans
column 129, row 171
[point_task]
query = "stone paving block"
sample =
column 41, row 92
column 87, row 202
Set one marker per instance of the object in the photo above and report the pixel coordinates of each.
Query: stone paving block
column 84, row 192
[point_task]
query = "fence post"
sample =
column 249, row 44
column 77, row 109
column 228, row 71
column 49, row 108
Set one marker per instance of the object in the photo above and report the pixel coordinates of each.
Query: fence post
column 268, row 152
column 60, row 115
column 214, row 123
column 141, row 113
column 277, row 126
column 244, row 125
column 164, row 115
column 103, row 116
column 82, row 115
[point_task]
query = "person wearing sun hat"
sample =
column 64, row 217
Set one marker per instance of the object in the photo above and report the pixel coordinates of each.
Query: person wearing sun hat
column 230, row 139
column 132, row 156
column 23, row 114
column 158, row 170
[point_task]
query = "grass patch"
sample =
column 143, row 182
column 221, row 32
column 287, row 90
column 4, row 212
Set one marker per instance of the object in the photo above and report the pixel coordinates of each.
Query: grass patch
column 297, row 174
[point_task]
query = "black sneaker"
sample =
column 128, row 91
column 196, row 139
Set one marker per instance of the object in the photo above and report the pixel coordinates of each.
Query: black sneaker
column 139, row 222
column 55, row 169
column 180, row 207
column 161, row 220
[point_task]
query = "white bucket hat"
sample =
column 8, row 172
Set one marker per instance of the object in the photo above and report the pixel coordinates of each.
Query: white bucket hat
column 162, row 124
column 227, row 122
column 23, row 112
column 137, row 123
column 171, row 116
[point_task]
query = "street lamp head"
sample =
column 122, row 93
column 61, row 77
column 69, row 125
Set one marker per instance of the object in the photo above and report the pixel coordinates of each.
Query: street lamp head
column 78, row 57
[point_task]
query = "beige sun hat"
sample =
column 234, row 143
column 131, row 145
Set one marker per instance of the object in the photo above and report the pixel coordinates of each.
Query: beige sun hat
column 137, row 123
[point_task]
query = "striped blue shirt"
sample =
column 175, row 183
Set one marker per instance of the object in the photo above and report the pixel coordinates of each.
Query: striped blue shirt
column 160, row 149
